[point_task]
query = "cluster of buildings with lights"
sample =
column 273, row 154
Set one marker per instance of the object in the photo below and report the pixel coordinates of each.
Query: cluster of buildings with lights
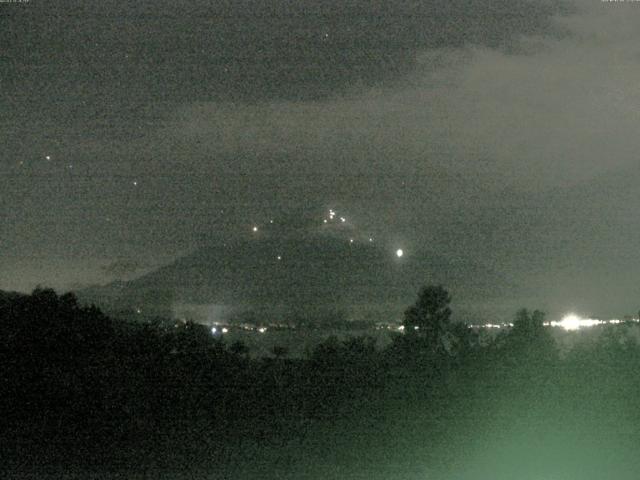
column 570, row 322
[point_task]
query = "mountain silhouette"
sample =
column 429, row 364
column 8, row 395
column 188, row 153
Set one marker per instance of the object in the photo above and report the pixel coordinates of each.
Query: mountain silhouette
column 302, row 272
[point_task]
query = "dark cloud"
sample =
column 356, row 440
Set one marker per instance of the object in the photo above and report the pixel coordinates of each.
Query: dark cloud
column 478, row 129
column 97, row 58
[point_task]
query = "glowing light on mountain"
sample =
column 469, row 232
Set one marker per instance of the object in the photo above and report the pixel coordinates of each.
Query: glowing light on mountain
column 399, row 253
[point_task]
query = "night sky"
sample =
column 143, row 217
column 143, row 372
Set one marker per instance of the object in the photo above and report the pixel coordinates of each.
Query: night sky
column 500, row 132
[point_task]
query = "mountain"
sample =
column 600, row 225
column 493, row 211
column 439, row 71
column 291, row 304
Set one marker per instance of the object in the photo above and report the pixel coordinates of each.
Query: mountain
column 307, row 273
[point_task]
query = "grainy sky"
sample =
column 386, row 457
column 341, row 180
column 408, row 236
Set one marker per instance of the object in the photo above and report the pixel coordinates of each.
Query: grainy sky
column 503, row 132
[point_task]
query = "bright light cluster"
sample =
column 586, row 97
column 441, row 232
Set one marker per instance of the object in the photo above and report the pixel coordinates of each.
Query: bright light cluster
column 573, row 322
column 570, row 322
column 332, row 216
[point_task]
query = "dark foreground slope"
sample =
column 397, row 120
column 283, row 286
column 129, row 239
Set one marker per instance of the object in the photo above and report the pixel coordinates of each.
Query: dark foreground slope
column 85, row 396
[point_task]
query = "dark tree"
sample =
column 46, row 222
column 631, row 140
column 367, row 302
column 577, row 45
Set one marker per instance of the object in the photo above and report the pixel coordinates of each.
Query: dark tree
column 528, row 324
column 360, row 347
column 193, row 337
column 239, row 348
column 462, row 341
column 326, row 352
column 279, row 352
column 429, row 317
column 529, row 337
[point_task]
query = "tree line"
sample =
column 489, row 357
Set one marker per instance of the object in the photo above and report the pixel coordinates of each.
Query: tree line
column 80, row 387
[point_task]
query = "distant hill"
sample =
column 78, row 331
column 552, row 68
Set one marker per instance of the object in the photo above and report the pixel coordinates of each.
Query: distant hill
column 294, row 276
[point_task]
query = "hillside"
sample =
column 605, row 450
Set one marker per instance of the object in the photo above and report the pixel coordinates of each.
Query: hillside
column 332, row 272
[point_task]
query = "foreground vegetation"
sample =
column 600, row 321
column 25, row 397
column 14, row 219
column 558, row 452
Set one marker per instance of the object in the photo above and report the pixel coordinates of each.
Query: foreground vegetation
column 82, row 393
